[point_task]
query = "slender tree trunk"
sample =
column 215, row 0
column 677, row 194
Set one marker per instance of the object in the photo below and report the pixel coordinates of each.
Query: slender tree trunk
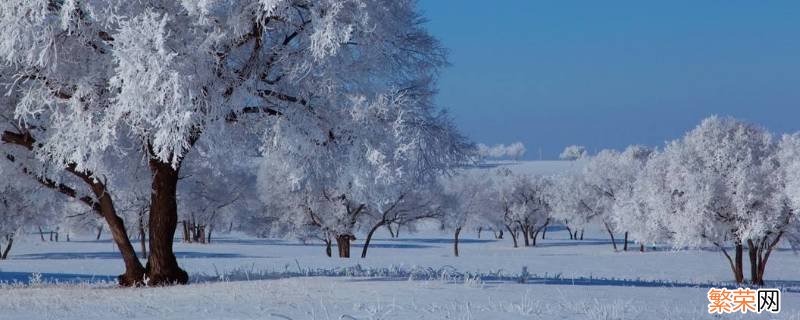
column 41, row 233
column 513, row 236
column 343, row 243
column 142, row 235
column 641, row 247
column 570, row 232
column 581, row 234
column 625, row 246
column 369, row 238
column 186, row 236
column 391, row 231
column 99, row 232
column 500, row 237
column 10, row 239
column 544, row 230
column 533, row 238
column 208, row 236
column 613, row 241
column 738, row 270
column 162, row 266
column 328, row 244
column 455, row 241
column 479, row 232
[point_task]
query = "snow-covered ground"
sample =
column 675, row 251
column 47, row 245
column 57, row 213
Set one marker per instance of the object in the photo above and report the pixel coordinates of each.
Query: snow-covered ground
column 414, row 276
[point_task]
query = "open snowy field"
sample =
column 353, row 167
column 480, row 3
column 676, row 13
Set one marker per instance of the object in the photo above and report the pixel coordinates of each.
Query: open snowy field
column 415, row 276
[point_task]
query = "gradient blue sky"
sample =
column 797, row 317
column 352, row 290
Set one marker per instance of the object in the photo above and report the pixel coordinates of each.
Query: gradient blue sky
column 607, row 74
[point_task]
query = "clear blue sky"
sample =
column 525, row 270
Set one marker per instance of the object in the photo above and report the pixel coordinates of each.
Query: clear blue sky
column 607, row 74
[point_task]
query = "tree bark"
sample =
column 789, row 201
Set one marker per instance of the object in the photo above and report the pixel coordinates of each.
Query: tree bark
column 328, row 244
column 391, row 231
column 513, row 236
column 526, row 235
column 369, row 238
column 134, row 272
column 613, row 241
column 162, row 266
column 142, row 235
column 455, row 241
column 10, row 239
column 625, row 246
column 343, row 243
column 738, row 270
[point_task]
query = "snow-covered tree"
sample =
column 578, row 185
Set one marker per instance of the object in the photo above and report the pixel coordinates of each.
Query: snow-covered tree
column 466, row 196
column 573, row 152
column 157, row 77
column 726, row 188
column 525, row 203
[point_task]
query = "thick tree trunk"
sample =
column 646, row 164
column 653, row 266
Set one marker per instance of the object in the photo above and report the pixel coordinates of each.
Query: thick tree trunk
column 526, row 235
column 738, row 269
column 343, row 243
column 513, row 236
column 625, row 246
column 134, row 272
column 162, row 266
column 455, row 241
column 369, row 238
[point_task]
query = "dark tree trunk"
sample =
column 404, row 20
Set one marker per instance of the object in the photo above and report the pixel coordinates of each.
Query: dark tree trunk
column 99, row 232
column 611, row 234
column 526, row 235
column 500, row 237
column 134, row 272
column 343, row 243
column 570, row 233
column 641, row 247
column 369, row 238
column 391, row 231
column 513, row 236
column 581, row 234
column 625, row 246
column 41, row 233
column 10, row 239
column 535, row 235
column 328, row 244
column 186, row 236
column 544, row 230
column 576, row 235
column 738, row 270
column 479, row 232
column 455, row 241
column 162, row 266
column 208, row 236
